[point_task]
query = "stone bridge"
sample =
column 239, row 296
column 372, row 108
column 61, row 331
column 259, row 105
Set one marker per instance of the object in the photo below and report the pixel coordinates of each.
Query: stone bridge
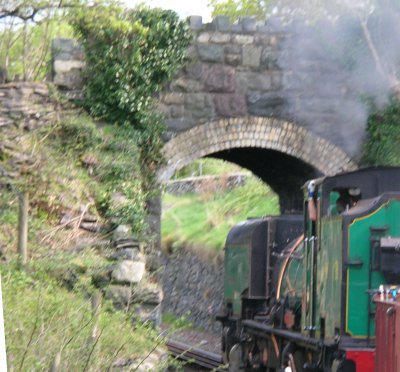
column 263, row 96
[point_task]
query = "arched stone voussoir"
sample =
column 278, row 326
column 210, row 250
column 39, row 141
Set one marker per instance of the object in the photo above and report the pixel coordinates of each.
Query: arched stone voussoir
column 258, row 132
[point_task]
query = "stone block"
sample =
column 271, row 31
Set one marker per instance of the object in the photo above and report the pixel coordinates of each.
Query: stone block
column 249, row 24
column 127, row 242
column 191, row 53
column 222, row 23
column 119, row 295
column 251, row 55
column 266, row 104
column 204, row 37
column 199, row 105
column 195, row 22
column 233, row 49
column 233, row 59
column 179, row 125
column 243, row 39
column 186, row 85
column 230, row 105
column 262, row 39
column 122, row 231
column 149, row 314
column 274, row 23
column 211, row 53
column 173, row 98
column 220, row 38
column 253, row 81
column 66, row 50
column 132, row 254
column 237, row 28
column 196, row 70
column 147, row 294
column 270, row 59
column 176, row 111
column 128, row 272
column 68, row 73
column 220, row 78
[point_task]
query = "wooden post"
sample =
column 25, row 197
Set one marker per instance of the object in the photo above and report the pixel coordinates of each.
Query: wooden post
column 96, row 304
column 3, row 356
column 23, row 226
column 55, row 366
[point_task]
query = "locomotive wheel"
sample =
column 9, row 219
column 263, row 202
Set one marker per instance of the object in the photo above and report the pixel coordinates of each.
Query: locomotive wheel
column 235, row 358
column 227, row 342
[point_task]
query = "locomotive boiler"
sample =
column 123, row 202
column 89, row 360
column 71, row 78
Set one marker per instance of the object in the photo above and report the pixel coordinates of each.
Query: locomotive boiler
column 298, row 289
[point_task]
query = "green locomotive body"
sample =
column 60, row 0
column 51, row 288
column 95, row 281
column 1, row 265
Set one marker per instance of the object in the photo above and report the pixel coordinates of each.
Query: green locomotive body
column 313, row 310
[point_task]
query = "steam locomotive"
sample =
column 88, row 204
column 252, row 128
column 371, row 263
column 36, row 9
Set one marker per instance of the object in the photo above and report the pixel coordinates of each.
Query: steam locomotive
column 298, row 288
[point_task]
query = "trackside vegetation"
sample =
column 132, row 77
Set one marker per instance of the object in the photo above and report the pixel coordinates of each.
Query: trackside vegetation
column 202, row 220
column 99, row 159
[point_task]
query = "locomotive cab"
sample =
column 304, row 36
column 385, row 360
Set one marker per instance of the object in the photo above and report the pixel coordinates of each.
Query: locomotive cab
column 349, row 252
column 317, row 312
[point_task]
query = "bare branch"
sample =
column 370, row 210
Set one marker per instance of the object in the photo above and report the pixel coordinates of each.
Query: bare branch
column 28, row 13
column 391, row 79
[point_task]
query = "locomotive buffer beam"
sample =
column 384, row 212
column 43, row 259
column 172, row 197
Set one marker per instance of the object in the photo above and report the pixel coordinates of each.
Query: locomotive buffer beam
column 261, row 330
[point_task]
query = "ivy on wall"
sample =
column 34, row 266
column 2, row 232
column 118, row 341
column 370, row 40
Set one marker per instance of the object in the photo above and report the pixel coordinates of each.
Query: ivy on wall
column 130, row 54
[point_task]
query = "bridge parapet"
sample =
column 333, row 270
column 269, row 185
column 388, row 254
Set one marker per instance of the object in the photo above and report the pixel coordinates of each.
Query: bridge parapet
column 250, row 68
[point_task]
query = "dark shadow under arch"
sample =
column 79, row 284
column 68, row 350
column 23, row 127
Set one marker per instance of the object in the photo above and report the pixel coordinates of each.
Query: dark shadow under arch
column 285, row 174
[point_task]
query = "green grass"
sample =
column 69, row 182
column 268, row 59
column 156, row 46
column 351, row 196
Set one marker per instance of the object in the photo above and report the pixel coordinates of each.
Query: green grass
column 47, row 305
column 43, row 318
column 204, row 220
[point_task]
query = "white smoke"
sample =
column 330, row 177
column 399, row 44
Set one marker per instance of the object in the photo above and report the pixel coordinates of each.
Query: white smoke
column 339, row 66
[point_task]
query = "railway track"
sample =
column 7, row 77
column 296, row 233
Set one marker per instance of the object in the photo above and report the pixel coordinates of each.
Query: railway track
column 206, row 360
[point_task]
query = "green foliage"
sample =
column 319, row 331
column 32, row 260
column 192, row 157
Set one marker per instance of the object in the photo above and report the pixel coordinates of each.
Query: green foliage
column 130, row 54
column 119, row 173
column 112, row 156
column 235, row 9
column 78, row 133
column 175, row 323
column 203, row 220
column 42, row 318
column 381, row 146
column 26, row 30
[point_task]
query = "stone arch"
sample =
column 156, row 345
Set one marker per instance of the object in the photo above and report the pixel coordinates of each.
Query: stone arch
column 254, row 132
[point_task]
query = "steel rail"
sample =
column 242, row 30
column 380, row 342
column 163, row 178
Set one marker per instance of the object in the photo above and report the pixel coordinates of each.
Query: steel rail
column 195, row 356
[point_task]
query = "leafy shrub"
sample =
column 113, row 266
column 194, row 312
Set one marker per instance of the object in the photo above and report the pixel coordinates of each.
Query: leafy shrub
column 130, row 54
column 383, row 136
column 78, row 133
column 42, row 319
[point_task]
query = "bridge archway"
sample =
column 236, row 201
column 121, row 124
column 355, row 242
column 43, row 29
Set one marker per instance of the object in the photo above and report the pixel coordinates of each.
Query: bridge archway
column 280, row 152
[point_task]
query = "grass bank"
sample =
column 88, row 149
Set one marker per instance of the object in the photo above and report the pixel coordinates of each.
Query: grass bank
column 203, row 220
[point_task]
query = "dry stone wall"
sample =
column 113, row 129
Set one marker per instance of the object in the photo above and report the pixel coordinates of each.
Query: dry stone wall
column 26, row 105
column 195, row 293
column 128, row 279
column 205, row 183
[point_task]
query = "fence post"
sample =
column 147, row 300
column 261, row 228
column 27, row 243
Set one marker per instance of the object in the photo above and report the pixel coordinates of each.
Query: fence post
column 3, row 356
column 96, row 304
column 55, row 366
column 23, row 226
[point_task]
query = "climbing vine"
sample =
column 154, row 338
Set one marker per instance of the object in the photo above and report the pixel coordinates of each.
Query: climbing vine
column 130, row 54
